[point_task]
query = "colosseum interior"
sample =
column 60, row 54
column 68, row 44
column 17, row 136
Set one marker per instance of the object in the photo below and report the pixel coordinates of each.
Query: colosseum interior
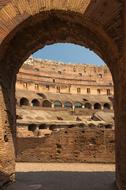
column 74, row 101
column 27, row 25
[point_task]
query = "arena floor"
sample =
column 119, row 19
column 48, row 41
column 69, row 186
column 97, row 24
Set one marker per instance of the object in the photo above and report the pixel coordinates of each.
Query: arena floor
column 56, row 176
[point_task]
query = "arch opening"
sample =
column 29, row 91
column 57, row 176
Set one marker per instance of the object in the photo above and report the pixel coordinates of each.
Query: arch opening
column 48, row 29
column 68, row 105
column 57, row 104
column 42, row 126
column 32, row 127
column 47, row 104
column 24, row 102
column 78, row 105
column 88, row 106
column 97, row 106
column 62, row 30
column 35, row 103
column 107, row 106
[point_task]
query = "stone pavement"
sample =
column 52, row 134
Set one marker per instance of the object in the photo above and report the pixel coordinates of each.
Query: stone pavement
column 64, row 177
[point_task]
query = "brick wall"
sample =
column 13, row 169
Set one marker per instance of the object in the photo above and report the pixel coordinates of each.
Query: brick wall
column 69, row 145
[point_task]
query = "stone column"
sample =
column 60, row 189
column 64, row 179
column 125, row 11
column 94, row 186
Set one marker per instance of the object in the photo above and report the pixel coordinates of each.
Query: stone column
column 102, row 107
column 52, row 105
column 120, row 124
column 120, row 111
column 7, row 130
column 73, row 107
column 92, row 107
column 83, row 107
column 111, row 107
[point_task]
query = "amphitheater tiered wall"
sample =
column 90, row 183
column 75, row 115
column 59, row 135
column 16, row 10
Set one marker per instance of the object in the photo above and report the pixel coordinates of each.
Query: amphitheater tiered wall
column 44, row 80
column 56, row 77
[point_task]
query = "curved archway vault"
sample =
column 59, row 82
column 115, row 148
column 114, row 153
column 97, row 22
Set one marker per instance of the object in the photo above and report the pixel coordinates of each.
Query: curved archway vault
column 26, row 26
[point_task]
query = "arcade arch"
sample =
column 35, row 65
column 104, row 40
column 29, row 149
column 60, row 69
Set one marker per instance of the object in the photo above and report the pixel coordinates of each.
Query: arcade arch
column 88, row 105
column 35, row 103
column 32, row 127
column 68, row 105
column 42, row 126
column 47, row 104
column 24, row 102
column 107, row 106
column 78, row 105
column 98, row 25
column 57, row 104
column 97, row 106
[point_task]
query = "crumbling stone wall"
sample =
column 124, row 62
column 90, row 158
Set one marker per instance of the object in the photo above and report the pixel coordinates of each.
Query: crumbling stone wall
column 69, row 145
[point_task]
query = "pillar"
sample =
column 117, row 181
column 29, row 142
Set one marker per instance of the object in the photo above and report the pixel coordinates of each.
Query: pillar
column 83, row 106
column 111, row 107
column 102, row 107
column 7, row 130
column 73, row 107
column 120, row 124
column 120, row 111
column 92, row 107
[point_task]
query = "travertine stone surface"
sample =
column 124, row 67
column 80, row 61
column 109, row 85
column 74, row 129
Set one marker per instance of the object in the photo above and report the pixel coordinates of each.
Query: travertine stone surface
column 46, row 76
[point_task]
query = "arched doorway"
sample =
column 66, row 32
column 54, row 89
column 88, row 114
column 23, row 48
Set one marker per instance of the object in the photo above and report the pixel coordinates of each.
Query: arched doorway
column 78, row 105
column 32, row 127
column 24, row 102
column 88, row 105
column 57, row 104
column 42, row 126
column 35, row 103
column 97, row 106
column 68, row 105
column 107, row 106
column 47, row 104
column 82, row 23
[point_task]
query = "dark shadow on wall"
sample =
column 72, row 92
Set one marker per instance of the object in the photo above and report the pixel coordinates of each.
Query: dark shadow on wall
column 64, row 181
column 5, row 179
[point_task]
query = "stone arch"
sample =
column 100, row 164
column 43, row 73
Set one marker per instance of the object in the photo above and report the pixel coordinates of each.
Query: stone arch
column 97, row 106
column 35, row 103
column 24, row 102
column 107, row 106
column 19, row 8
column 47, row 104
column 42, row 126
column 68, row 105
column 32, row 127
column 78, row 105
column 88, row 105
column 57, row 104
column 65, row 32
column 47, row 22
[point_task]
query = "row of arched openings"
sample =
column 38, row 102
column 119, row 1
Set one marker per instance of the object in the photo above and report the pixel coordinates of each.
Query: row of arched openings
column 33, row 127
column 58, row 104
column 25, row 102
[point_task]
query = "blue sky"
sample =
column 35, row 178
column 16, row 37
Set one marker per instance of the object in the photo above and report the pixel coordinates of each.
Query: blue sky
column 68, row 53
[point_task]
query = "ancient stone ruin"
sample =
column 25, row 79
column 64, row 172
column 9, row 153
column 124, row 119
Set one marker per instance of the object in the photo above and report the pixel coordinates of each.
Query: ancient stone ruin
column 59, row 103
column 26, row 26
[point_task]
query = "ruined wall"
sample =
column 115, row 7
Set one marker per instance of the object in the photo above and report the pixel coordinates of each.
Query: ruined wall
column 69, row 145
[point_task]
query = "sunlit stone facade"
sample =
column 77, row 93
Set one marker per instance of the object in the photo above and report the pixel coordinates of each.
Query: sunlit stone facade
column 55, row 77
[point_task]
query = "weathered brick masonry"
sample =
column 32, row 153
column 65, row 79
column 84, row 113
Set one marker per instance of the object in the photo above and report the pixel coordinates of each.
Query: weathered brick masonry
column 69, row 145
